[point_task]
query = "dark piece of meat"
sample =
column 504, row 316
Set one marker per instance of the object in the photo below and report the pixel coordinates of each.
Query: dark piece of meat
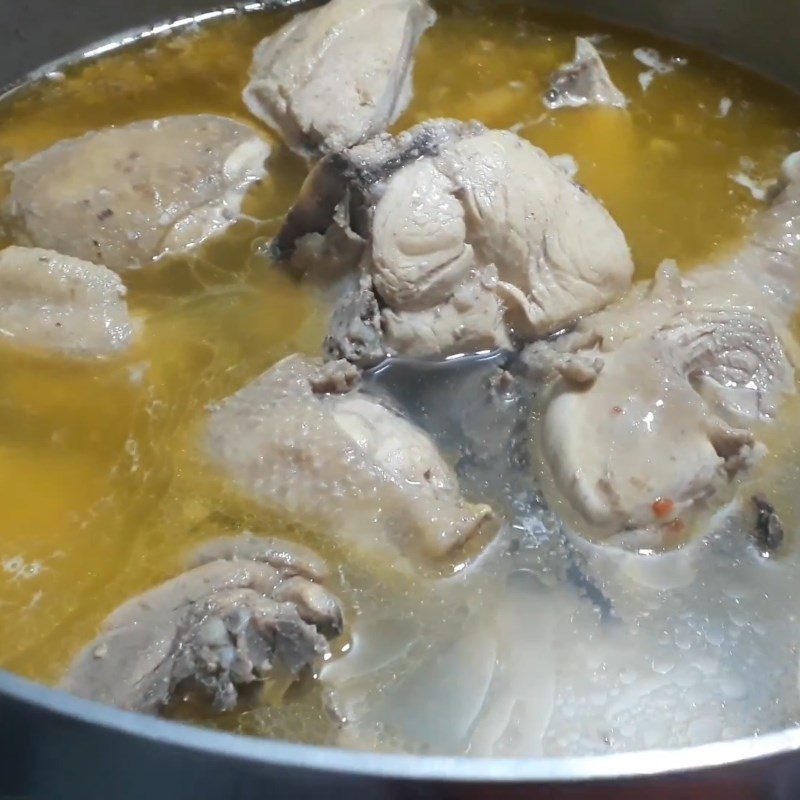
column 769, row 528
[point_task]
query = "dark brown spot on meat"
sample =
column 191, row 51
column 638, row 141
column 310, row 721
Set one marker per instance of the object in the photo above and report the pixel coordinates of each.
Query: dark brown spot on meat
column 105, row 214
column 769, row 528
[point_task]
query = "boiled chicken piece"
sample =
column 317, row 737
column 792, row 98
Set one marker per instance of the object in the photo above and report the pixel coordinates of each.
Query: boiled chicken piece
column 59, row 304
column 124, row 197
column 336, row 75
column 668, row 420
column 472, row 239
column 251, row 612
column 584, row 81
column 300, row 439
column 689, row 366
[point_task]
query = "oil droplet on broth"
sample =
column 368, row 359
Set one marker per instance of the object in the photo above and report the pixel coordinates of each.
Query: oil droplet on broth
column 103, row 487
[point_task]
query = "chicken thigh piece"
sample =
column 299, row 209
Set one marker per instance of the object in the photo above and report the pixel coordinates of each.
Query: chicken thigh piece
column 472, row 239
column 669, row 419
column 336, row 75
column 584, row 81
column 58, row 304
column 301, row 439
column 688, row 368
column 252, row 611
column 126, row 196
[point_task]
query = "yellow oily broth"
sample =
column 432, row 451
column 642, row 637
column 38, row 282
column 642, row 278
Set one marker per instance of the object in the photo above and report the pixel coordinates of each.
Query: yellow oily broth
column 661, row 167
column 102, row 489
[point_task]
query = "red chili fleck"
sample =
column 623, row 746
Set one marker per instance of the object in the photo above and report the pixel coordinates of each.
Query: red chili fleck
column 663, row 508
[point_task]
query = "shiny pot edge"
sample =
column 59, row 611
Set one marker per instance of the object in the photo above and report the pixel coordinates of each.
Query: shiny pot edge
column 613, row 766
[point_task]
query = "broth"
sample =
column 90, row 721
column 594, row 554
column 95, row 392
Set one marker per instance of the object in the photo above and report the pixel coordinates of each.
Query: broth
column 104, row 493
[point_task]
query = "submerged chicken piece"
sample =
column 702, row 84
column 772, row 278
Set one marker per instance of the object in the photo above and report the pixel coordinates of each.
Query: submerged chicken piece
column 124, row 197
column 336, row 75
column 472, row 239
column 584, row 81
column 341, row 461
column 59, row 304
column 689, row 367
column 253, row 612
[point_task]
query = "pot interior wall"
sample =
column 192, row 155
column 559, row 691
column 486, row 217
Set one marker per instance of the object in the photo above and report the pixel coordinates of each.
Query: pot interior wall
column 761, row 35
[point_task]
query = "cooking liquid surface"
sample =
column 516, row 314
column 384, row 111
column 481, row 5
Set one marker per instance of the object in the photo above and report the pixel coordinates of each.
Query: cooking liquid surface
column 555, row 648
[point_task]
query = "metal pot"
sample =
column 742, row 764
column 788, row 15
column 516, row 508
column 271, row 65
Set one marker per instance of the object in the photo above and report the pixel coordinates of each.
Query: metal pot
column 57, row 747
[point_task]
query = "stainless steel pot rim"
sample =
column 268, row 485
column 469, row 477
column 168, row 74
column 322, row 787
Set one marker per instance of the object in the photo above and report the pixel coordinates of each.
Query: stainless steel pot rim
column 273, row 753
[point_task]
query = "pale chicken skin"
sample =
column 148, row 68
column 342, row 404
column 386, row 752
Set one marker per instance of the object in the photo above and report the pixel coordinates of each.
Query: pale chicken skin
column 127, row 196
column 301, row 439
column 336, row 75
column 472, row 239
column 250, row 611
column 55, row 304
